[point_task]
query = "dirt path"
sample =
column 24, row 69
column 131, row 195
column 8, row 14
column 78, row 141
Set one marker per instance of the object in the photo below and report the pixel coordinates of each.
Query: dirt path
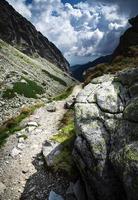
column 24, row 176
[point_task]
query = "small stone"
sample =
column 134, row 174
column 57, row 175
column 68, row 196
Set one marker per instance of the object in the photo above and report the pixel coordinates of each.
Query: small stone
column 2, row 188
column 15, row 152
column 21, row 146
column 54, row 196
column 32, row 189
column 32, row 124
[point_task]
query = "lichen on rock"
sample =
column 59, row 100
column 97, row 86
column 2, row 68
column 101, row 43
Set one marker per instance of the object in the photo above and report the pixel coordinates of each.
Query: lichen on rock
column 106, row 148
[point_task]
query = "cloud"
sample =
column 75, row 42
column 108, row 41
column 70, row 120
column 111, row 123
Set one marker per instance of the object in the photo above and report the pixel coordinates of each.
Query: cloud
column 125, row 6
column 21, row 7
column 82, row 31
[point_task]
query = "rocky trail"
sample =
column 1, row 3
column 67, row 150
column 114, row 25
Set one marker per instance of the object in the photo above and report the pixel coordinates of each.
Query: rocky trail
column 23, row 174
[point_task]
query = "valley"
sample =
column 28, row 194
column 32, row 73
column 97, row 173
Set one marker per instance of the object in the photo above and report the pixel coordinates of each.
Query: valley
column 67, row 133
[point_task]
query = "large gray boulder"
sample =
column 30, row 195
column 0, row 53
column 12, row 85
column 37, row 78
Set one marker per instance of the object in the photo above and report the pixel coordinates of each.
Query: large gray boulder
column 106, row 148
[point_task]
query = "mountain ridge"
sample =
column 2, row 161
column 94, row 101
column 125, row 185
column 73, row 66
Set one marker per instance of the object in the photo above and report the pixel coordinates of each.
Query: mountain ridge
column 19, row 32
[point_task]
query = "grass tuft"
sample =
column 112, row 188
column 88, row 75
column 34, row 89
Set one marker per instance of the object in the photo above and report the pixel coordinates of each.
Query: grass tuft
column 29, row 89
column 13, row 124
column 66, row 136
column 64, row 95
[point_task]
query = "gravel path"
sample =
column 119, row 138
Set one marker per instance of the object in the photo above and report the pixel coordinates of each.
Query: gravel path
column 24, row 176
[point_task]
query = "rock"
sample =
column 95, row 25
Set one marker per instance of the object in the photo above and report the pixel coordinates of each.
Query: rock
column 51, row 107
column 15, row 152
column 76, row 190
column 21, row 139
column 32, row 124
column 69, row 103
column 54, row 196
column 50, row 150
column 29, row 129
column 79, row 191
column 20, row 146
column 106, row 148
column 2, row 188
column 70, row 189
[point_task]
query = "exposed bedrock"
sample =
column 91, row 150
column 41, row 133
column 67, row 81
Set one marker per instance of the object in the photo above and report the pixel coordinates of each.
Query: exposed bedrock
column 106, row 148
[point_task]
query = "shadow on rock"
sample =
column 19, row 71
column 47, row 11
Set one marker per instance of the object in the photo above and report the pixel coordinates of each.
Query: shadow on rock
column 39, row 185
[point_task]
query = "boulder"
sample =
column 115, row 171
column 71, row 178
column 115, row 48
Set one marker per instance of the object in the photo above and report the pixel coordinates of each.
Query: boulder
column 69, row 103
column 50, row 151
column 51, row 107
column 106, row 148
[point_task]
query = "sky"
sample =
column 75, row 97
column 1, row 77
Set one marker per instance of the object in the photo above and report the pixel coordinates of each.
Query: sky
column 82, row 29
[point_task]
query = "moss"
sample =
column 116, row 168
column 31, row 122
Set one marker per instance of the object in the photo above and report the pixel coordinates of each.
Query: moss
column 66, row 137
column 29, row 89
column 13, row 124
column 56, row 78
column 131, row 154
column 64, row 95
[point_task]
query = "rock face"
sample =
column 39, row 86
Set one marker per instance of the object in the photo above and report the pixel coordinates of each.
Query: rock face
column 17, row 31
column 106, row 148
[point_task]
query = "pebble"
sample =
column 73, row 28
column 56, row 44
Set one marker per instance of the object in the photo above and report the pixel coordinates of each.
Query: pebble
column 15, row 152
column 2, row 188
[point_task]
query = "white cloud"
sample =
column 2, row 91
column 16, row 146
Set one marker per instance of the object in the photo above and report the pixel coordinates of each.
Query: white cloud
column 21, row 7
column 78, row 30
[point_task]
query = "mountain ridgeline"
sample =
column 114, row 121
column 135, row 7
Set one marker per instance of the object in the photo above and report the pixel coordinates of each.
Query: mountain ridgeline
column 19, row 32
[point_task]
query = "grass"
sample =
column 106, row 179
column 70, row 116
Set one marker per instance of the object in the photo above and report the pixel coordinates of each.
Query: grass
column 64, row 95
column 66, row 136
column 62, row 82
column 29, row 89
column 13, row 124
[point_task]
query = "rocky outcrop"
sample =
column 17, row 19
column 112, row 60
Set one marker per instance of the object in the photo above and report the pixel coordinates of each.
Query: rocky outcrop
column 19, row 32
column 106, row 148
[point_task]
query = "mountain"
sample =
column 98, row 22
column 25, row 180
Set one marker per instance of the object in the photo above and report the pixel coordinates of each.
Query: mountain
column 78, row 70
column 124, row 56
column 26, row 79
column 19, row 32
column 128, row 40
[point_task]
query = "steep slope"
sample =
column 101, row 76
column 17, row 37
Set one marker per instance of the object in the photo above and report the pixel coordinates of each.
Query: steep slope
column 24, row 81
column 17, row 31
column 128, row 40
column 78, row 70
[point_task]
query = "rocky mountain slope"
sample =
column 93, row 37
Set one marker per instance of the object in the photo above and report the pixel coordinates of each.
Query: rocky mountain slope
column 106, row 148
column 24, row 80
column 19, row 32
column 32, row 69
column 78, row 70
column 125, row 55
column 128, row 40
